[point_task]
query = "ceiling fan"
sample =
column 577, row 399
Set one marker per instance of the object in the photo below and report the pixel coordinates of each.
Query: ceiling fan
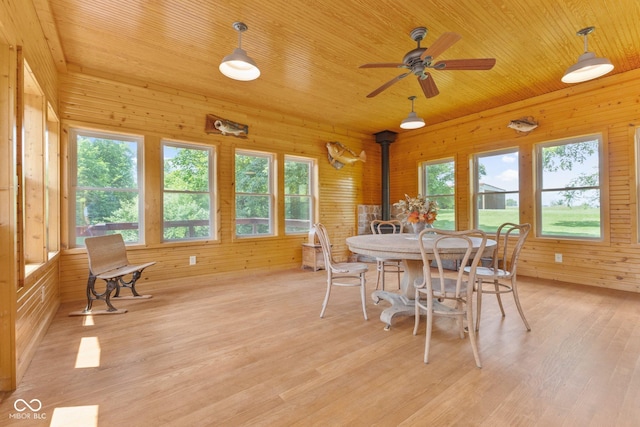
column 420, row 59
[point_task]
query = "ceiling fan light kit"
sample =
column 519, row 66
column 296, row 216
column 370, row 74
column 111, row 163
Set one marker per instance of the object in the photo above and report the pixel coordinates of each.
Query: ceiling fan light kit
column 238, row 65
column 588, row 66
column 412, row 121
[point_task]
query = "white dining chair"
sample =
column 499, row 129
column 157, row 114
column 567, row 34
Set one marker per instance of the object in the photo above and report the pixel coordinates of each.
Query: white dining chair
column 448, row 294
column 500, row 276
column 387, row 265
column 345, row 274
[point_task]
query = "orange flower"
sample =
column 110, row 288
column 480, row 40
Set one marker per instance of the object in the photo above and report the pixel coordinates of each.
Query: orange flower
column 413, row 217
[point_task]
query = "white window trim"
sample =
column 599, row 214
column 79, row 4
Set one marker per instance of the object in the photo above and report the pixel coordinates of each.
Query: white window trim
column 73, row 176
column 476, row 181
column 272, row 196
column 422, row 176
column 312, row 188
column 212, row 187
column 601, row 184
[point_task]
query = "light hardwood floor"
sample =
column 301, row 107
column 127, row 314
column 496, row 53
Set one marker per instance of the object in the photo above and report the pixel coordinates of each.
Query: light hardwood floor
column 253, row 351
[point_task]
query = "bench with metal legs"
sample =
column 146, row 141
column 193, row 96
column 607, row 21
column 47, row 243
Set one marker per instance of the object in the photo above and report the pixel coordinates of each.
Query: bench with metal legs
column 108, row 261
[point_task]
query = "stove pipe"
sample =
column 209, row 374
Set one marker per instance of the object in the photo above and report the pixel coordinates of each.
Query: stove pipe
column 385, row 138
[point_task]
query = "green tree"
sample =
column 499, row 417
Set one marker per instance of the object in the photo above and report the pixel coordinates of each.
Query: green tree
column 187, row 170
column 186, row 177
column 440, row 178
column 296, row 183
column 106, row 178
column 564, row 158
column 252, row 183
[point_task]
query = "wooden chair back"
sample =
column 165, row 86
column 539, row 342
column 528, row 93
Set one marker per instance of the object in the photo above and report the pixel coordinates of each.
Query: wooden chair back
column 508, row 251
column 106, row 253
column 325, row 242
column 443, row 284
column 379, row 226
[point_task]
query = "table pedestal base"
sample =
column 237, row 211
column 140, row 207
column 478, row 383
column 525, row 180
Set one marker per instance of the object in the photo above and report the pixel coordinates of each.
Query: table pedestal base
column 400, row 306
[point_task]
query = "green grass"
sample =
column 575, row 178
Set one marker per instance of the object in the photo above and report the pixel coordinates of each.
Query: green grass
column 556, row 221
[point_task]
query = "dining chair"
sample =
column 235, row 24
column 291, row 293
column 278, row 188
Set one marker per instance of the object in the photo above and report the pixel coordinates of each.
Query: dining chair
column 448, row 294
column 348, row 274
column 386, row 265
column 500, row 277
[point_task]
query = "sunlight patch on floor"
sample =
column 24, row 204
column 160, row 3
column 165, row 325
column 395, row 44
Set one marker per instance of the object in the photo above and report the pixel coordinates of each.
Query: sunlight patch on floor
column 88, row 353
column 75, row 416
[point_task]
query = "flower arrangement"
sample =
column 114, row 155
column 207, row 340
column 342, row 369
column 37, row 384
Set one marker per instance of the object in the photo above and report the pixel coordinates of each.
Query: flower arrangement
column 417, row 209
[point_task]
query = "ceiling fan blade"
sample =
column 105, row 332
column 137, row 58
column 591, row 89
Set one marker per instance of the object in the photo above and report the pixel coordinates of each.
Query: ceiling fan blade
column 382, row 65
column 428, row 86
column 387, row 84
column 444, row 42
column 466, row 64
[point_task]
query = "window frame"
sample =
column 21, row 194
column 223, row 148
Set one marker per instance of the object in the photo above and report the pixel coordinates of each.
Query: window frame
column 312, row 193
column 601, row 187
column 271, row 194
column 74, row 132
column 212, row 187
column 423, row 184
column 476, row 184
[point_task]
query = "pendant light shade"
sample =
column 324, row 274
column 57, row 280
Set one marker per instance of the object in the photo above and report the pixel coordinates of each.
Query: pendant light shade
column 588, row 66
column 238, row 65
column 412, row 121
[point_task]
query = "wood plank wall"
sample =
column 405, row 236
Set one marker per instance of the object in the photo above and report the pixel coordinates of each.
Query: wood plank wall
column 92, row 100
column 609, row 106
column 25, row 311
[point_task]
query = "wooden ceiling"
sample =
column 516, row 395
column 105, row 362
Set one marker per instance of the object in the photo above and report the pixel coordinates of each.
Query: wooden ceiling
column 309, row 51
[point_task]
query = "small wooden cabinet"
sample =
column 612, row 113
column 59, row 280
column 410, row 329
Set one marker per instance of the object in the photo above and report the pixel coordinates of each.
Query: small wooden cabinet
column 312, row 256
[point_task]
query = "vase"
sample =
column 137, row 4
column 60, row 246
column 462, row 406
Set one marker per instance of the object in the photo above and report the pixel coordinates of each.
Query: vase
column 417, row 227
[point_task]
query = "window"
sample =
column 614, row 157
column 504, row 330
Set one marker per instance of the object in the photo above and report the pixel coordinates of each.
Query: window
column 105, row 191
column 496, row 186
column 32, row 170
column 438, row 182
column 569, row 188
column 188, row 194
column 298, row 200
column 254, row 193
column 52, row 203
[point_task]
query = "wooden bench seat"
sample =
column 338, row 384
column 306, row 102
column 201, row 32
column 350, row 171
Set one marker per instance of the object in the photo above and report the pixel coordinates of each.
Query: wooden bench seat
column 108, row 261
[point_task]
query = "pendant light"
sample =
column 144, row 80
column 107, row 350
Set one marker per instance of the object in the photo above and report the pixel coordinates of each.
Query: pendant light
column 412, row 121
column 588, row 66
column 238, row 65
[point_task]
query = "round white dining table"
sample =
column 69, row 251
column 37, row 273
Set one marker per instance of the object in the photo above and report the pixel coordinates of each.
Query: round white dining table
column 405, row 246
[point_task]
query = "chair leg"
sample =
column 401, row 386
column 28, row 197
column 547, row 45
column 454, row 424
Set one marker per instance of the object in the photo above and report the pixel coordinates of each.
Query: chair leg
column 479, row 304
column 472, row 335
column 514, row 289
column 326, row 298
column 130, row 284
column 363, row 283
column 427, row 342
column 460, row 320
column 416, row 322
column 399, row 280
column 497, row 285
column 379, row 272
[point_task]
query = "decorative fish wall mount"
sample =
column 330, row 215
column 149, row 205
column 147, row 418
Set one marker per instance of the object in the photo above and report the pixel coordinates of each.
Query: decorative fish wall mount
column 523, row 125
column 339, row 155
column 218, row 125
